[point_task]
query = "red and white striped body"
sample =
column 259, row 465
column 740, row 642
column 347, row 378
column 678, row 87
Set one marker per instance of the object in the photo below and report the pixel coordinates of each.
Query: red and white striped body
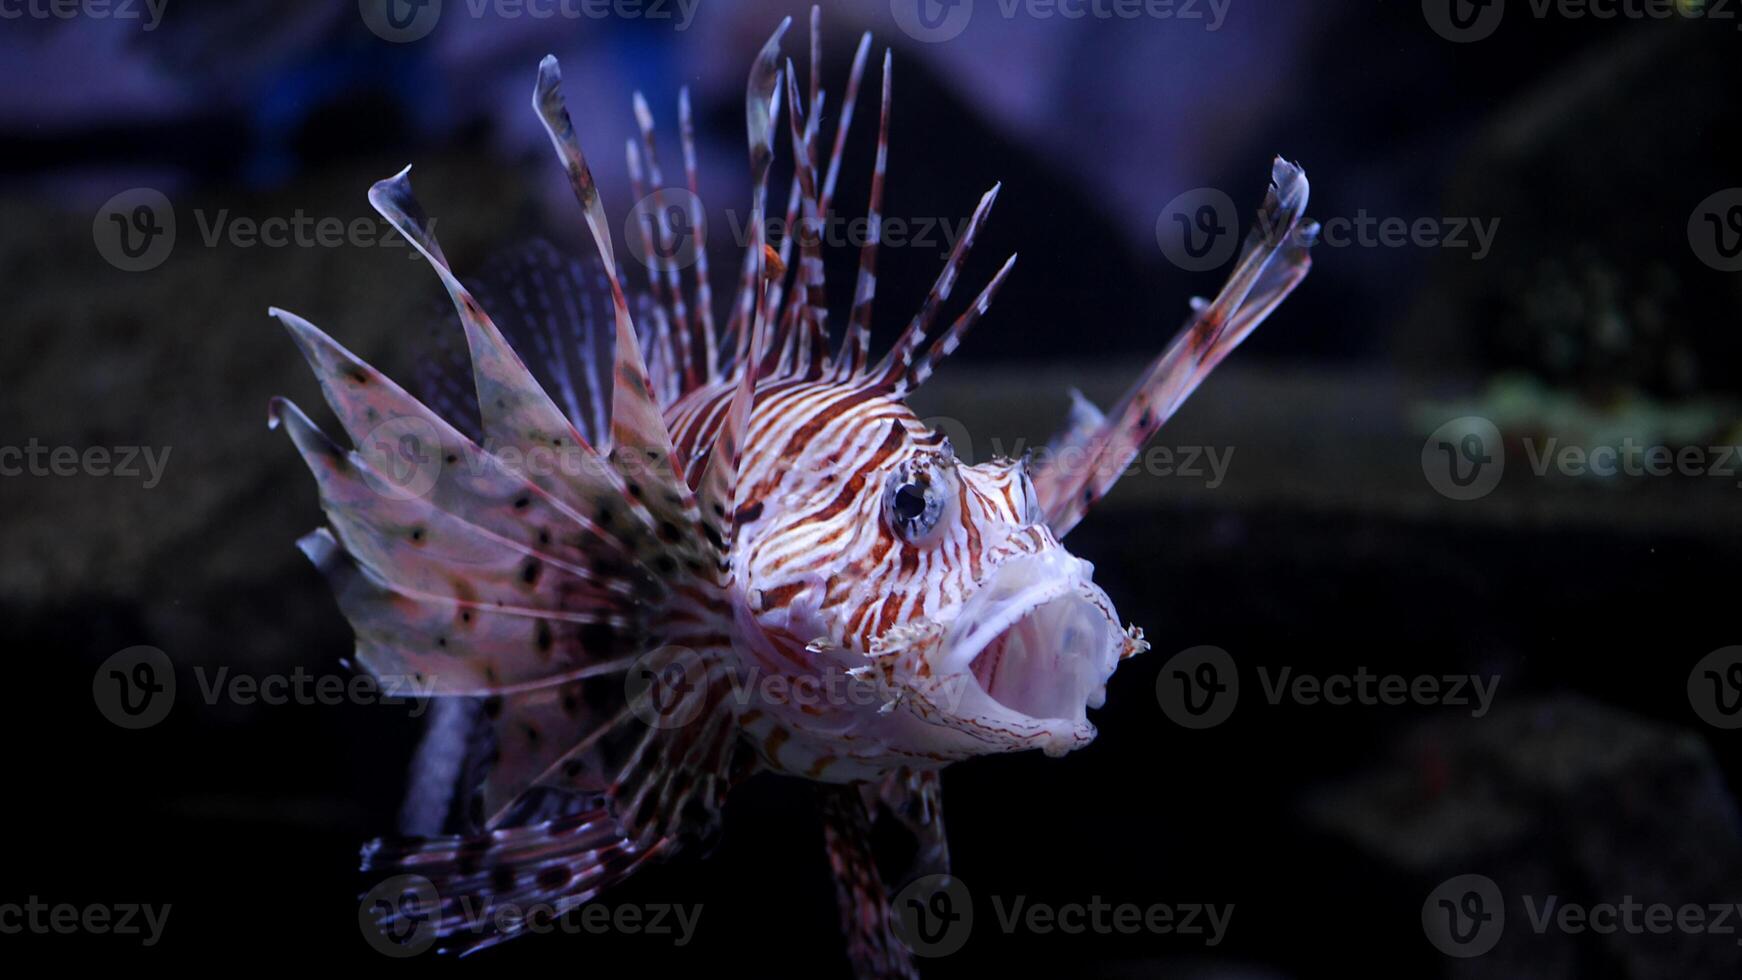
column 840, row 619
column 842, row 599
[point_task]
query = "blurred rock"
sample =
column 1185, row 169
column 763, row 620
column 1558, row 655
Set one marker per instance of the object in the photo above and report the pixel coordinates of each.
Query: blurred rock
column 183, row 358
column 1557, row 796
column 1593, row 284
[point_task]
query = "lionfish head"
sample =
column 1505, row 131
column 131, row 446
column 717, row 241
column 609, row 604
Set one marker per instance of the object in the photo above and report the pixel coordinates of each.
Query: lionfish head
column 942, row 581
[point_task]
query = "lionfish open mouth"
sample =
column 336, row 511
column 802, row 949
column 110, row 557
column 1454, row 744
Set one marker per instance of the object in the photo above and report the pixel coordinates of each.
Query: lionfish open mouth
column 1040, row 640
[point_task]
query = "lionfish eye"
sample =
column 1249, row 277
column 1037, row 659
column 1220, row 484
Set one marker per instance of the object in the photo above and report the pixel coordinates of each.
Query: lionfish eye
column 914, row 508
column 909, row 502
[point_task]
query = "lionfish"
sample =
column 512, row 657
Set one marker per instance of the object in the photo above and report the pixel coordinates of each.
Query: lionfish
column 758, row 504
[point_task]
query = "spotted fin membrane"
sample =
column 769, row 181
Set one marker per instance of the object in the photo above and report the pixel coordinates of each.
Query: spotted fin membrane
column 532, row 595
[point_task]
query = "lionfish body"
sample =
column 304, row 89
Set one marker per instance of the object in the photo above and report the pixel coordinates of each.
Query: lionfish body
column 719, row 549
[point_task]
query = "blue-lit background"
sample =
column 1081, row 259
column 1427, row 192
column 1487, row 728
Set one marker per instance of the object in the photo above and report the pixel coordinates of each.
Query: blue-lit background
column 1585, row 166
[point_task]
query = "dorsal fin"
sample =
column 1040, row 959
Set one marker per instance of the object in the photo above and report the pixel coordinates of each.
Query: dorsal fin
column 720, row 478
column 892, row 370
column 637, row 424
column 856, row 346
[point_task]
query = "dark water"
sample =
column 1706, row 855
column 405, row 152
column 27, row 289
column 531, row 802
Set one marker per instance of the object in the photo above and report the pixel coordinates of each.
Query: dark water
column 1603, row 314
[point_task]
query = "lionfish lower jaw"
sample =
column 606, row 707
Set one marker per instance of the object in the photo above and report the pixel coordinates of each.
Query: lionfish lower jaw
column 1038, row 642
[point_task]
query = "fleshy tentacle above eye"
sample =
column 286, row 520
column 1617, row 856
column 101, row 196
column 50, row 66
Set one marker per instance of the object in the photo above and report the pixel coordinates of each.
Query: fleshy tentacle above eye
column 1273, row 261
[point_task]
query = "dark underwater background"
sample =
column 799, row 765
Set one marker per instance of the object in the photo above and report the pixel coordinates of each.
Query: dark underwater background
column 1603, row 153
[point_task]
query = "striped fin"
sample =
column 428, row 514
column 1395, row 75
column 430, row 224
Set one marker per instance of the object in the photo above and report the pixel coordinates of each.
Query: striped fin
column 665, row 360
column 948, row 340
column 851, row 97
column 453, row 568
column 816, row 35
column 378, row 415
column 867, row 919
column 804, row 352
column 562, row 304
column 427, row 644
column 892, row 371
column 516, row 413
column 429, row 552
column 780, row 304
column 914, row 800
column 675, row 779
column 1273, row 261
column 698, row 220
column 856, row 346
column 551, row 309
column 553, row 867
column 584, row 737
column 672, row 782
column 719, row 482
column 809, row 333
column 637, row 425
column 673, row 302
column 761, row 105
column 790, row 341
column 642, row 449
column 585, row 720
column 476, row 582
